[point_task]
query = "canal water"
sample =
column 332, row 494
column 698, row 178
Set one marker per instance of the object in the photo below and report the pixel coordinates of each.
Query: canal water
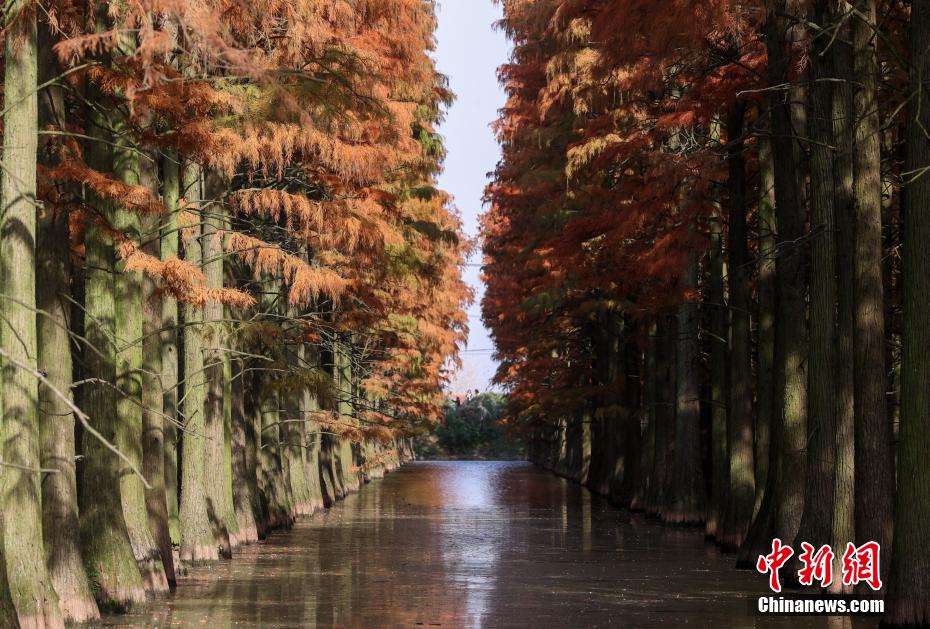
column 472, row 544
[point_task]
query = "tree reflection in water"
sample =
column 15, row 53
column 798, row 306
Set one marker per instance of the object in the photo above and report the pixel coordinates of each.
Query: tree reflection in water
column 471, row 544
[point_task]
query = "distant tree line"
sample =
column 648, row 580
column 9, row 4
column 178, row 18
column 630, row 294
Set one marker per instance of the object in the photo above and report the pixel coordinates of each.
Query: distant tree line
column 472, row 428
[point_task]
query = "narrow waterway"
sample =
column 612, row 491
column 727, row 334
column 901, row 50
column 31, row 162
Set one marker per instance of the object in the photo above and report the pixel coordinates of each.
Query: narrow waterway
column 471, row 544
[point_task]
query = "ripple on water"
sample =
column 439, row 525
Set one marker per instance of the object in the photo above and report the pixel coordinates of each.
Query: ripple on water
column 471, row 544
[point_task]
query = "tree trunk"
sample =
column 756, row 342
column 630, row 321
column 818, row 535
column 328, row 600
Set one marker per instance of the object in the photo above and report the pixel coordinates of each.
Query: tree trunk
column 874, row 473
column 741, row 494
column 108, row 555
column 816, row 521
column 60, row 526
column 346, row 385
column 214, row 339
column 779, row 511
column 687, row 503
column 129, row 337
column 627, row 364
column 33, row 595
column 648, row 446
column 253, row 449
column 232, row 521
column 328, row 478
column 274, row 491
column 843, row 181
column 311, row 362
column 198, row 542
column 791, row 383
column 765, row 332
column 294, row 449
column 332, row 445
column 908, row 595
column 719, row 366
column 244, row 438
column 153, row 421
column 665, row 413
column 245, row 485
column 170, row 357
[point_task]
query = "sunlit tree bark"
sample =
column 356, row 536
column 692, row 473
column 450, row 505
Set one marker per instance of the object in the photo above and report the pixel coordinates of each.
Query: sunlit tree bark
column 31, row 587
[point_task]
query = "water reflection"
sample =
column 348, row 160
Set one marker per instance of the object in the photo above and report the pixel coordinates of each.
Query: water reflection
column 471, row 545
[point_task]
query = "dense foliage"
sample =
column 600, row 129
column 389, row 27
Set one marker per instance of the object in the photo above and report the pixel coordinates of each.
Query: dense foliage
column 472, row 429
column 706, row 261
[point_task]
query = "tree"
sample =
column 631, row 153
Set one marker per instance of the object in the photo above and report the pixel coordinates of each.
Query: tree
column 874, row 476
column 906, row 600
column 33, row 596
column 60, row 522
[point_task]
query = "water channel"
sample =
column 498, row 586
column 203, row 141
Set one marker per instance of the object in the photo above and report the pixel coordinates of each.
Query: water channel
column 472, row 544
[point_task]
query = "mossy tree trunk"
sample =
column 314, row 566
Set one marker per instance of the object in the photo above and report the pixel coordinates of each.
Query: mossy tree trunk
column 244, row 437
column 170, row 357
column 346, row 387
column 627, row 365
column 254, row 451
column 128, row 331
column 60, row 524
column 214, row 339
column 329, row 464
column 198, row 542
column 232, row 521
column 30, row 585
column 153, row 397
column 274, row 491
column 294, row 450
column 108, row 554
column 244, row 443
column 311, row 361
column 640, row 499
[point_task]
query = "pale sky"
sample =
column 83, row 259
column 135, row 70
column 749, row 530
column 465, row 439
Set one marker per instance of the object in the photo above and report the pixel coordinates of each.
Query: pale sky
column 469, row 51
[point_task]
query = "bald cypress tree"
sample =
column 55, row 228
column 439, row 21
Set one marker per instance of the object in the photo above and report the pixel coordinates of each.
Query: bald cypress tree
column 219, row 512
column 198, row 542
column 874, row 472
column 908, row 596
column 60, row 524
column 129, row 339
column 741, row 473
column 170, row 357
column 33, row 596
column 686, row 502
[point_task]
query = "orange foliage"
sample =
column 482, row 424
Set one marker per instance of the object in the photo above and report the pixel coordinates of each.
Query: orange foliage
column 609, row 159
column 319, row 116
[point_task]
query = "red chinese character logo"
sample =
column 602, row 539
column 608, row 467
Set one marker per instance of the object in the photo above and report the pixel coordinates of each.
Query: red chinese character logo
column 862, row 564
column 772, row 562
column 817, row 565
